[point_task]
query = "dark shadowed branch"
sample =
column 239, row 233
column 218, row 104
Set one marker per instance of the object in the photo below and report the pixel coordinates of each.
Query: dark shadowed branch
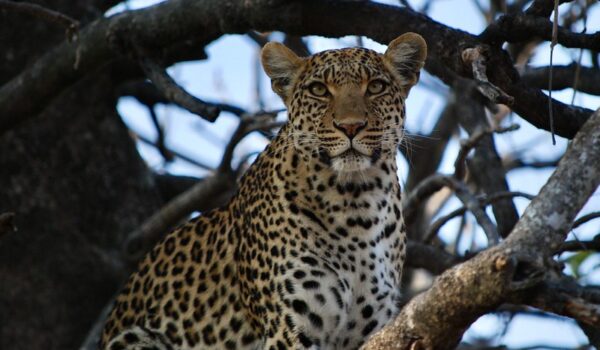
column 71, row 25
column 484, row 201
column 564, row 77
column 204, row 21
column 175, row 93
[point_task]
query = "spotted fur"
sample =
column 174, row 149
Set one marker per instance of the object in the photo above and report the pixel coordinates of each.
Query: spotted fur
column 309, row 253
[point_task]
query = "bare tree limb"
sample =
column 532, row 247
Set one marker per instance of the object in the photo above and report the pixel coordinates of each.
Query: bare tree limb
column 574, row 246
column 175, row 93
column 516, row 163
column 175, row 153
column 147, row 94
column 485, row 166
column 261, row 121
column 169, row 23
column 520, row 28
column 436, row 182
column 467, row 145
column 563, row 77
column 437, row 318
column 475, row 58
column 484, row 201
column 432, row 259
column 71, row 25
column 585, row 218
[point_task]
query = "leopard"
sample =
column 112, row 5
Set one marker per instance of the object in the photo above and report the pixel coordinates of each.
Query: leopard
column 309, row 253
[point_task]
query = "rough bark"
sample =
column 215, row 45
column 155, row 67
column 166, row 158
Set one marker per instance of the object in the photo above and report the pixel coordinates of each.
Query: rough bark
column 76, row 184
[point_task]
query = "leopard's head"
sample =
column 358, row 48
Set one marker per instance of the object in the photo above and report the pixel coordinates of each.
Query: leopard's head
column 346, row 107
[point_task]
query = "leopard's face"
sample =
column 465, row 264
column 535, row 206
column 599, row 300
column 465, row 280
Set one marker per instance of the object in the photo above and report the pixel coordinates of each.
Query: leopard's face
column 346, row 107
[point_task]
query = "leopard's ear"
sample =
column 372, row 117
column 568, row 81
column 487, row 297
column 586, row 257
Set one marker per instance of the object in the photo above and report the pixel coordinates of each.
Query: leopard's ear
column 406, row 55
column 281, row 65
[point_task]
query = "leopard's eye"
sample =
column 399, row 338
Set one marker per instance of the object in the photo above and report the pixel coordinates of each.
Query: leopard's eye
column 376, row 87
column 318, row 89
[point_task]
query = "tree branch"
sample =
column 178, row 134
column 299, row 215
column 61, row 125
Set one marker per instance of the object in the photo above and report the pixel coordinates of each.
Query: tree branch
column 169, row 23
column 475, row 58
column 563, row 77
column 520, row 28
column 175, row 93
column 468, row 144
column 484, row 201
column 437, row 318
column 71, row 25
column 434, row 260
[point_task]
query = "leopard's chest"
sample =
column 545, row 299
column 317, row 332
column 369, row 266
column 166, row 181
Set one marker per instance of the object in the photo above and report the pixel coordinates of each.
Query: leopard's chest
column 347, row 274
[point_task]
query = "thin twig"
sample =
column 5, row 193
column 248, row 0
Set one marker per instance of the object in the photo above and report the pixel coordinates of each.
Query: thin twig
column 484, row 201
column 71, row 25
column 587, row 217
column 175, row 153
column 262, row 121
column 476, row 59
column 436, row 182
column 578, row 69
column 552, row 44
column 468, row 144
column 160, row 139
column 577, row 245
column 175, row 93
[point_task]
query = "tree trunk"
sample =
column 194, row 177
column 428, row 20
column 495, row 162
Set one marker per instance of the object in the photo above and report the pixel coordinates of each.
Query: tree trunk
column 77, row 185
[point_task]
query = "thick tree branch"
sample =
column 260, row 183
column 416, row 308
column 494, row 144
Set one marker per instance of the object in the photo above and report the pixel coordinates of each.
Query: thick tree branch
column 71, row 25
column 166, row 24
column 437, row 318
column 520, row 27
column 147, row 94
column 564, row 77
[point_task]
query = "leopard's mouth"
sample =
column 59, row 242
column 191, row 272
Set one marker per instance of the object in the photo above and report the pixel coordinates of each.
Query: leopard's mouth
column 352, row 152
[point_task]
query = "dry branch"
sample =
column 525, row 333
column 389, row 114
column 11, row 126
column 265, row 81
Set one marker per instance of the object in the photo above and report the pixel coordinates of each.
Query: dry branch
column 165, row 26
column 177, row 154
column 435, row 183
column 475, row 58
column 467, row 145
column 484, row 201
column 71, row 25
column 432, row 259
column 576, row 245
column 175, row 93
column 437, row 318
column 522, row 28
column 563, row 77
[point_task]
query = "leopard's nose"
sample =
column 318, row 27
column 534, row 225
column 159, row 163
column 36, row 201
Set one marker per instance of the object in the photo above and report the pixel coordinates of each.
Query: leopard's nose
column 350, row 129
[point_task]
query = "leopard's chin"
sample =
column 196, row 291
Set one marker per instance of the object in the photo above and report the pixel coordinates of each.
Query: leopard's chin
column 350, row 161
